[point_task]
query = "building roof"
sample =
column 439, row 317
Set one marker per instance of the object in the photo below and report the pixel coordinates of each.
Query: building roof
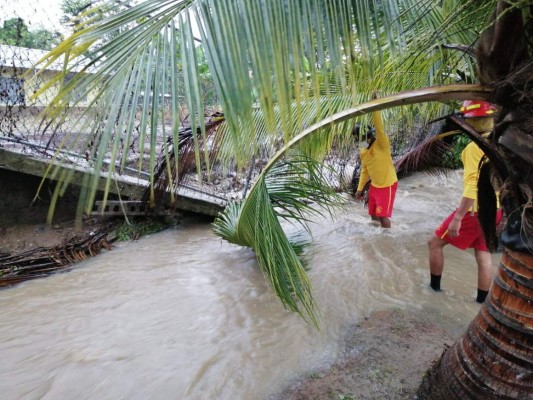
column 25, row 58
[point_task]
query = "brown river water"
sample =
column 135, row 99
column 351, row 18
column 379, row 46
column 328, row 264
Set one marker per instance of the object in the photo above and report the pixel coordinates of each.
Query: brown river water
column 183, row 314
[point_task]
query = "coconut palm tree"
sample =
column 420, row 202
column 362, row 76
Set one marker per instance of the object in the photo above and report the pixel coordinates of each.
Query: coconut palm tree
column 493, row 359
column 293, row 74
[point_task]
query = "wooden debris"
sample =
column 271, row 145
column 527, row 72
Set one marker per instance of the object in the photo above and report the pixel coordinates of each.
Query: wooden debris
column 44, row 261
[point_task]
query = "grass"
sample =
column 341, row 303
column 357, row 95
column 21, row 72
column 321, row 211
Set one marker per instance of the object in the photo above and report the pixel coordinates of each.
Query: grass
column 139, row 227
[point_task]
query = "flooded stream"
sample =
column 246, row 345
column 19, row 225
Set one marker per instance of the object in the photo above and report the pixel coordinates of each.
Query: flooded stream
column 183, row 314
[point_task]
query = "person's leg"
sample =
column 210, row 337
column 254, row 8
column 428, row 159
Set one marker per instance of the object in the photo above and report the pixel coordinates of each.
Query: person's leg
column 385, row 222
column 372, row 203
column 436, row 260
column 484, row 274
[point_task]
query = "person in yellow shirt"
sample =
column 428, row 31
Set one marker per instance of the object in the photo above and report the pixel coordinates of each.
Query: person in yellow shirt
column 377, row 166
column 461, row 228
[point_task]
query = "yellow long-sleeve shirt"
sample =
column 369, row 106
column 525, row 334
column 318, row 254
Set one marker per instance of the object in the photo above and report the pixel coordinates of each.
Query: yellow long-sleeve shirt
column 376, row 162
column 471, row 157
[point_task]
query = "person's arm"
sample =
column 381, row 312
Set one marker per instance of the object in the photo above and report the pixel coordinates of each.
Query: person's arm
column 471, row 157
column 455, row 224
column 363, row 178
column 382, row 139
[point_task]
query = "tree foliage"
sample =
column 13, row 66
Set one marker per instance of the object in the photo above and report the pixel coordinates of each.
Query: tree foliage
column 15, row 32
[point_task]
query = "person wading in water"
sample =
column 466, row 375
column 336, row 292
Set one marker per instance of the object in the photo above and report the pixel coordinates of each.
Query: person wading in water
column 461, row 228
column 377, row 166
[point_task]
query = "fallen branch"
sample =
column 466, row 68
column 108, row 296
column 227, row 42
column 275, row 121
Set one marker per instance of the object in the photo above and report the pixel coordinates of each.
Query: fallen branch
column 44, row 261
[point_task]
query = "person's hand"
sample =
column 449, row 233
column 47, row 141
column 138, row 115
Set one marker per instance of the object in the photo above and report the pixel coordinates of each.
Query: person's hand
column 359, row 195
column 454, row 227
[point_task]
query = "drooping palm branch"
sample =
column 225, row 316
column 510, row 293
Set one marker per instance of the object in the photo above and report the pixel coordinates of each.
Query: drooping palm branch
column 291, row 190
column 254, row 223
column 426, row 156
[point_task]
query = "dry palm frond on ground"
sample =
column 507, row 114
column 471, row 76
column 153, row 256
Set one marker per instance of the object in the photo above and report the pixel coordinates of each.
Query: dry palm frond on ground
column 44, row 261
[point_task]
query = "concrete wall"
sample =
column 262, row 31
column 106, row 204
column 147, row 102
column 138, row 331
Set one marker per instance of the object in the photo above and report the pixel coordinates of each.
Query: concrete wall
column 17, row 193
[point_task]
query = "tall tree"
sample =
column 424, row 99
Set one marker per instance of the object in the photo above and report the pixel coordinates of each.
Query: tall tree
column 15, row 32
column 286, row 66
column 494, row 358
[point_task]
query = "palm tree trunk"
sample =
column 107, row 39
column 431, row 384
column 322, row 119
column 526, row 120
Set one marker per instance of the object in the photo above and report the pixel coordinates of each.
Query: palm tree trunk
column 494, row 358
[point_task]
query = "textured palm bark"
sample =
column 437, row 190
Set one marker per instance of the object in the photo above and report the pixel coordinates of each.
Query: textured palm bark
column 494, row 358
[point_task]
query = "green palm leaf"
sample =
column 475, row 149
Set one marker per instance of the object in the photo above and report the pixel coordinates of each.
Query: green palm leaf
column 292, row 190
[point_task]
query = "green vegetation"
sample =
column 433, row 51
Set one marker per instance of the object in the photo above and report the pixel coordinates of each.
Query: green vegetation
column 142, row 226
column 15, row 32
column 452, row 158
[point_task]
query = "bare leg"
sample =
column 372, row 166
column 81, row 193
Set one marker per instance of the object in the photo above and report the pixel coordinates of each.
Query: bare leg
column 484, row 269
column 436, row 260
column 436, row 254
column 385, row 222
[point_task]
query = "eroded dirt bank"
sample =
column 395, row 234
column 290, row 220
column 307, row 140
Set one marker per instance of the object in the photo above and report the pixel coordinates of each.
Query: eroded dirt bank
column 385, row 357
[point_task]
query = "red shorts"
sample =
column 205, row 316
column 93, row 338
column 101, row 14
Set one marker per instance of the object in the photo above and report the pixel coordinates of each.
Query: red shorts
column 381, row 200
column 470, row 233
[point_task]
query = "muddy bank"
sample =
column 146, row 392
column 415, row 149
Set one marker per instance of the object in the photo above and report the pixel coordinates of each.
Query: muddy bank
column 23, row 214
column 385, row 357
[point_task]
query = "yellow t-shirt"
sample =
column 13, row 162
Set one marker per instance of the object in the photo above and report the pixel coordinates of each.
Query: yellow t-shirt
column 376, row 162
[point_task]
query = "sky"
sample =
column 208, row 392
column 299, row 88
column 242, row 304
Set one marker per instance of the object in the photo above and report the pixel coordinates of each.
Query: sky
column 36, row 13
column 42, row 14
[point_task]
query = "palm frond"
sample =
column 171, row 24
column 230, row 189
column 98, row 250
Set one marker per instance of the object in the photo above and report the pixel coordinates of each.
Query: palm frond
column 292, row 190
column 179, row 159
column 487, row 207
column 298, row 185
column 429, row 94
column 292, row 62
column 426, row 156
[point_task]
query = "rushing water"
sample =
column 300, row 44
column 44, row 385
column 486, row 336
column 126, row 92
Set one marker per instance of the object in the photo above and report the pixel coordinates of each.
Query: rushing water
column 184, row 315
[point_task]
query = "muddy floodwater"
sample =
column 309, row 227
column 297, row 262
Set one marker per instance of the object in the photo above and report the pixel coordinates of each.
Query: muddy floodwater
column 183, row 314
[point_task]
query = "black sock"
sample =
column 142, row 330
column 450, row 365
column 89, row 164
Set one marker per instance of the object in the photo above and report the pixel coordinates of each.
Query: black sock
column 481, row 295
column 435, row 282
